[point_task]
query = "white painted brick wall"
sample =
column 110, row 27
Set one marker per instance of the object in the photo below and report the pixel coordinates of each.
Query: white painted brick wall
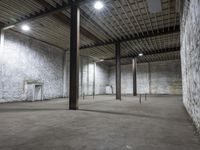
column 86, row 70
column 190, row 56
column 23, row 58
column 164, row 78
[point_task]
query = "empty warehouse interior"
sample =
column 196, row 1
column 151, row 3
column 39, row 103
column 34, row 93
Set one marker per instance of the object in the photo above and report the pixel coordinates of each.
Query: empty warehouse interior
column 99, row 74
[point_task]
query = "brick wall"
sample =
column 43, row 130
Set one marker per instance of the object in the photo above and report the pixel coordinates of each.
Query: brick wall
column 152, row 78
column 190, row 56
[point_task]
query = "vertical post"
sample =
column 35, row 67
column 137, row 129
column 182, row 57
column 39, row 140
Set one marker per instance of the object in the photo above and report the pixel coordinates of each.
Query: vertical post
column 88, row 77
column 134, row 77
column 149, row 71
column 118, row 72
column 82, row 90
column 65, row 74
column 140, row 99
column 94, row 72
column 74, row 56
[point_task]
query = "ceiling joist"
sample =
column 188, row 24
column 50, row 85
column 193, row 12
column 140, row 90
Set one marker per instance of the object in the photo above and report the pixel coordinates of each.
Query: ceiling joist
column 152, row 52
column 142, row 35
column 129, row 22
column 43, row 13
column 66, row 21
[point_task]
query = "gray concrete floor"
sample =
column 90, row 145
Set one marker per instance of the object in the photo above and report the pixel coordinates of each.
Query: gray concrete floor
column 160, row 123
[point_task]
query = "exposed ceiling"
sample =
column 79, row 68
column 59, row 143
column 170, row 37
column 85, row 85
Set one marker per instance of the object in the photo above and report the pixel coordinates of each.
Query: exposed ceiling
column 127, row 21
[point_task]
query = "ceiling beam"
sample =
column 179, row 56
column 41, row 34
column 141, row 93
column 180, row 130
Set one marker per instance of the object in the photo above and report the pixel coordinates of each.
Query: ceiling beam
column 142, row 35
column 66, row 21
column 48, row 11
column 151, row 52
column 139, row 61
column 83, row 13
column 56, row 12
column 1, row 25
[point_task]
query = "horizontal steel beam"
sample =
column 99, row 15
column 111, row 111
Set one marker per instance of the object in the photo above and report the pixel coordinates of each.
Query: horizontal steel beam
column 142, row 35
column 151, row 52
column 57, row 14
column 83, row 13
column 49, row 11
column 65, row 20
column 1, row 25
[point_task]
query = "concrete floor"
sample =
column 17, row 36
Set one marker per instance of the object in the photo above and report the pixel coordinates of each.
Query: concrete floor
column 160, row 123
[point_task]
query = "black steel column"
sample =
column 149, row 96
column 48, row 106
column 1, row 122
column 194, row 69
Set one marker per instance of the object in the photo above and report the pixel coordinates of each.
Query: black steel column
column 82, row 90
column 134, row 77
column 149, row 72
column 74, row 56
column 118, row 72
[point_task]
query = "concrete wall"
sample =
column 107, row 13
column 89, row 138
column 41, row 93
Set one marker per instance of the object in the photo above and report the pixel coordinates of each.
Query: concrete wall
column 190, row 56
column 152, row 78
column 102, row 78
column 23, row 59
column 166, row 77
column 86, row 77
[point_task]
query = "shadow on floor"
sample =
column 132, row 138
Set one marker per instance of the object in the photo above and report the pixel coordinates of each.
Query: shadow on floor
column 6, row 110
column 30, row 109
column 138, row 115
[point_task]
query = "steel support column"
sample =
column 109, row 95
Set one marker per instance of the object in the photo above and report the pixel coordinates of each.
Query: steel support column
column 82, row 90
column 74, row 56
column 149, row 72
column 135, row 77
column 65, row 67
column 118, row 71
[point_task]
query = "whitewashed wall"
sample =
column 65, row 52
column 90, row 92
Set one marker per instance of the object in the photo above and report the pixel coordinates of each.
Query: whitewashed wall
column 25, row 59
column 152, row 78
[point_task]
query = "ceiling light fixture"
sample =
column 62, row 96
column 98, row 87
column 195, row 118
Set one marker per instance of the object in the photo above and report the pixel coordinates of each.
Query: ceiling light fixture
column 98, row 5
column 141, row 54
column 25, row 27
column 101, row 60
